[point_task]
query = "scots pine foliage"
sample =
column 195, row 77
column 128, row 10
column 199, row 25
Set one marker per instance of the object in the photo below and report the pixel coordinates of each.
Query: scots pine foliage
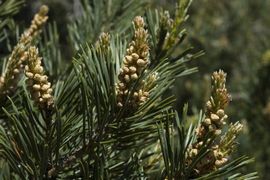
column 248, row 68
column 105, row 116
column 102, row 16
column 8, row 8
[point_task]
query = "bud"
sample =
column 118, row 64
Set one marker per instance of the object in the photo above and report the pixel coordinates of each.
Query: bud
column 129, row 59
column 208, row 105
column 143, row 99
column 121, row 85
column 104, row 41
column 132, row 69
column 130, row 49
column 45, row 87
column 135, row 56
column 127, row 79
column 41, row 100
column 218, row 163
column 125, row 69
column 2, row 79
column 26, row 68
column 217, row 132
column 119, row 104
column 135, row 95
column 138, row 22
column 141, row 62
column 207, row 121
column 220, row 113
column 37, row 77
column 16, row 71
column 145, row 54
column 49, row 91
column 44, row 79
column 194, row 152
column 46, row 96
column 125, row 92
column 140, row 93
column 36, row 87
column 134, row 76
column 38, row 69
column 145, row 93
column 214, row 117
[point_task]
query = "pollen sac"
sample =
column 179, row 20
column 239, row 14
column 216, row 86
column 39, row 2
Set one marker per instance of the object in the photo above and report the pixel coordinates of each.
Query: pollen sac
column 215, row 119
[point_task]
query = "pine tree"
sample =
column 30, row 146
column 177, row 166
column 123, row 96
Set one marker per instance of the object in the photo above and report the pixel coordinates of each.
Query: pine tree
column 106, row 116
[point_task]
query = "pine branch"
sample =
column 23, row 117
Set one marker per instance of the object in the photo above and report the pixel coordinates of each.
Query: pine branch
column 203, row 155
column 15, row 63
column 107, row 116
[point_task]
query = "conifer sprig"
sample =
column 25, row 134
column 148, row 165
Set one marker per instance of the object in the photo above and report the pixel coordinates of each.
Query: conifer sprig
column 15, row 63
column 199, row 152
column 212, row 126
column 103, row 42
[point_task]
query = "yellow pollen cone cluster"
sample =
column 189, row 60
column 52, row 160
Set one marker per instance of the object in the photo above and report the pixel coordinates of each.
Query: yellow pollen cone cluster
column 11, row 74
column 37, row 81
column 135, row 61
column 215, row 119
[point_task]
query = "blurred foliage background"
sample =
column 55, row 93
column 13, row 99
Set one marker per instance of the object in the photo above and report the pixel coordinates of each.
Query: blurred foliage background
column 234, row 34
